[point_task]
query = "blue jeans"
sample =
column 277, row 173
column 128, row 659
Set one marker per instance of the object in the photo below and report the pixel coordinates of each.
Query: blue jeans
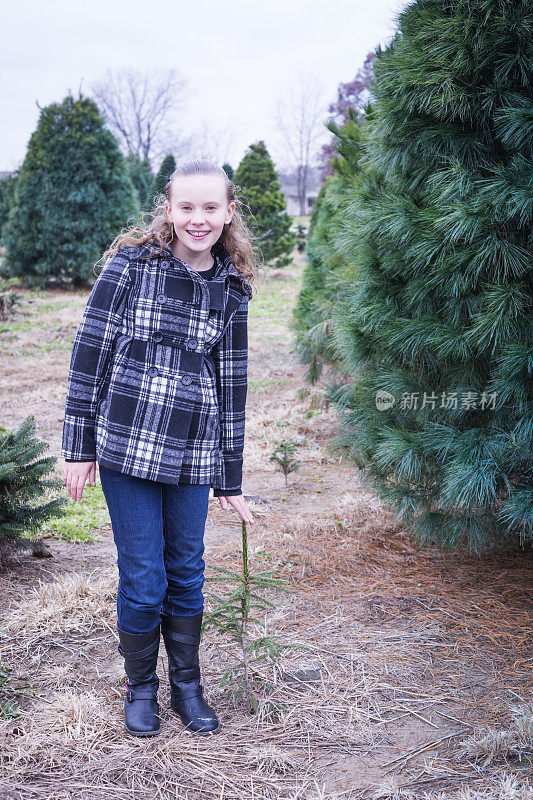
column 159, row 534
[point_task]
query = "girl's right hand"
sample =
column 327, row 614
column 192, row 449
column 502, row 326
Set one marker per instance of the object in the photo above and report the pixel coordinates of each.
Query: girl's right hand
column 76, row 474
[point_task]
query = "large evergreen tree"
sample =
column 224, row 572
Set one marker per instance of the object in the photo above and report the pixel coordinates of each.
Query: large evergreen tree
column 228, row 169
column 324, row 270
column 72, row 196
column 438, row 314
column 256, row 176
column 142, row 177
column 168, row 165
column 7, row 197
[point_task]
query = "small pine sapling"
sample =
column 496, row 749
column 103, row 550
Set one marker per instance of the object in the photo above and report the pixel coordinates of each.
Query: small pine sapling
column 22, row 471
column 232, row 616
column 283, row 455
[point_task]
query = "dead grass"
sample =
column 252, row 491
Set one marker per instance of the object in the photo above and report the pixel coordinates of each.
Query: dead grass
column 72, row 603
column 415, row 682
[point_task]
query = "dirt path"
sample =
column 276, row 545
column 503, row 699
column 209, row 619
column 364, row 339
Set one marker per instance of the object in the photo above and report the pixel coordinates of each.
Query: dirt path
column 408, row 652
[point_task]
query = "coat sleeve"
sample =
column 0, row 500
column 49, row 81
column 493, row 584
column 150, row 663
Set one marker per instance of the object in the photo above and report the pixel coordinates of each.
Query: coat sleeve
column 91, row 354
column 230, row 356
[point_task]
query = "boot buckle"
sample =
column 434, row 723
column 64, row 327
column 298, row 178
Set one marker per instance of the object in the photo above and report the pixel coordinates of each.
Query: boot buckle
column 130, row 697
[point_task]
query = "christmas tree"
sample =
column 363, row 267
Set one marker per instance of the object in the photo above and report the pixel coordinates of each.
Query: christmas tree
column 22, row 481
column 434, row 324
column 168, row 165
column 265, row 216
column 323, row 273
column 7, row 197
column 228, row 169
column 72, row 195
column 142, row 177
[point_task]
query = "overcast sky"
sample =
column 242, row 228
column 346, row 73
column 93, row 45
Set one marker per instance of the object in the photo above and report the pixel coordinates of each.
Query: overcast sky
column 238, row 58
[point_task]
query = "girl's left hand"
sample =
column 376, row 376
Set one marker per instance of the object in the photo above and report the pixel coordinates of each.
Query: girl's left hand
column 239, row 504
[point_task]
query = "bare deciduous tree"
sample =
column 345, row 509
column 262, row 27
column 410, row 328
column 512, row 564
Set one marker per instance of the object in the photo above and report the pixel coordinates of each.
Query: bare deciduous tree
column 353, row 95
column 139, row 107
column 299, row 119
column 216, row 139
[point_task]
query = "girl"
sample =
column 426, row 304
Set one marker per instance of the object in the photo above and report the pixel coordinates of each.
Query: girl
column 156, row 394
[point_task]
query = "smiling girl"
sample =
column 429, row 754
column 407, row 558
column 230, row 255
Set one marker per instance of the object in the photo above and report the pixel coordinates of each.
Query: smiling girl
column 156, row 395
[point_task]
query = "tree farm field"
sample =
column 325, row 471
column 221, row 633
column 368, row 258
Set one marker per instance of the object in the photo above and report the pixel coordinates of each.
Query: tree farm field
column 413, row 664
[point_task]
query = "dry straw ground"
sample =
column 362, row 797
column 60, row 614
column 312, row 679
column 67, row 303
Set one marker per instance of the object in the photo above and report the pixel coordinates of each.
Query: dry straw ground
column 416, row 681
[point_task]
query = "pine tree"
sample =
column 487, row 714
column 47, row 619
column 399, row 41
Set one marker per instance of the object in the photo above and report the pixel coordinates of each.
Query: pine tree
column 323, row 273
column 7, row 197
column 283, row 456
column 166, row 169
column 434, row 325
column 22, row 471
column 265, row 216
column 228, row 169
column 72, row 196
column 141, row 175
column 232, row 616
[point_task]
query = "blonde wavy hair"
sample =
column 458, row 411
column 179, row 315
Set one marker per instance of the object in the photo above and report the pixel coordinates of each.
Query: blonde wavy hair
column 157, row 229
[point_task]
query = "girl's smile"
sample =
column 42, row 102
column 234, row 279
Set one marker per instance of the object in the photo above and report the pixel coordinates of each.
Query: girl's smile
column 199, row 234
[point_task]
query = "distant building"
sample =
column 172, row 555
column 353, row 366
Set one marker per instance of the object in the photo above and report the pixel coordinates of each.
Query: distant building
column 289, row 188
column 5, row 175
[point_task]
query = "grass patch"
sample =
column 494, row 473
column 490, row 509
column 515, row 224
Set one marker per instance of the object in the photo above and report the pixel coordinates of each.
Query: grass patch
column 8, row 709
column 58, row 305
column 81, row 518
column 46, row 347
column 278, row 294
column 264, row 384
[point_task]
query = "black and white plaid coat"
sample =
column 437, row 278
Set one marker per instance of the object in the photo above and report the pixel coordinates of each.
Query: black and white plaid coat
column 158, row 376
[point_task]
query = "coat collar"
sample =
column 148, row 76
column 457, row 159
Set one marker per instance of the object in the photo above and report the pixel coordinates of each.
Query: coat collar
column 225, row 266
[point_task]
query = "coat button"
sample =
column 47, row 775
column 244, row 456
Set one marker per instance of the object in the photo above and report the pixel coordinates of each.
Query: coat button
column 157, row 336
column 186, row 380
column 161, row 298
column 164, row 265
column 153, row 372
column 193, row 343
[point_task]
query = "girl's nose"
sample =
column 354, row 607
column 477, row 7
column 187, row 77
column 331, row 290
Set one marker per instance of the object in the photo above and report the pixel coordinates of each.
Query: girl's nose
column 198, row 215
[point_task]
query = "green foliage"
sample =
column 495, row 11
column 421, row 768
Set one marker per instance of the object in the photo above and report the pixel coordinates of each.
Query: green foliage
column 141, row 175
column 22, row 471
column 257, row 179
column 325, row 263
column 157, row 188
column 283, row 455
column 231, row 616
column 8, row 709
column 81, row 518
column 9, row 299
column 228, row 169
column 301, row 236
column 7, row 197
column 72, row 196
column 439, row 302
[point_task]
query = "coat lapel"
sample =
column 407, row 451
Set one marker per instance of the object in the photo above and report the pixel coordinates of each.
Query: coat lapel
column 225, row 289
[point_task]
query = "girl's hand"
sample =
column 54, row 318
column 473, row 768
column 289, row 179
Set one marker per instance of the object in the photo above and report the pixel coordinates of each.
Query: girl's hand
column 76, row 473
column 239, row 504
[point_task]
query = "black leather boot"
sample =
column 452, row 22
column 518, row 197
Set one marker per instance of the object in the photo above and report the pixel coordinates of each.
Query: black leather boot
column 141, row 709
column 182, row 640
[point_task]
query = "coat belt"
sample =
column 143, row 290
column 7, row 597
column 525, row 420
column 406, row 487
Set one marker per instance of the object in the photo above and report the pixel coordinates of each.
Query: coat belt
column 190, row 358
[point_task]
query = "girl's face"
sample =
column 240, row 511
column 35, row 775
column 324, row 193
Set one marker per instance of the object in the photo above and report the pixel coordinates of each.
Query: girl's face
column 198, row 209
